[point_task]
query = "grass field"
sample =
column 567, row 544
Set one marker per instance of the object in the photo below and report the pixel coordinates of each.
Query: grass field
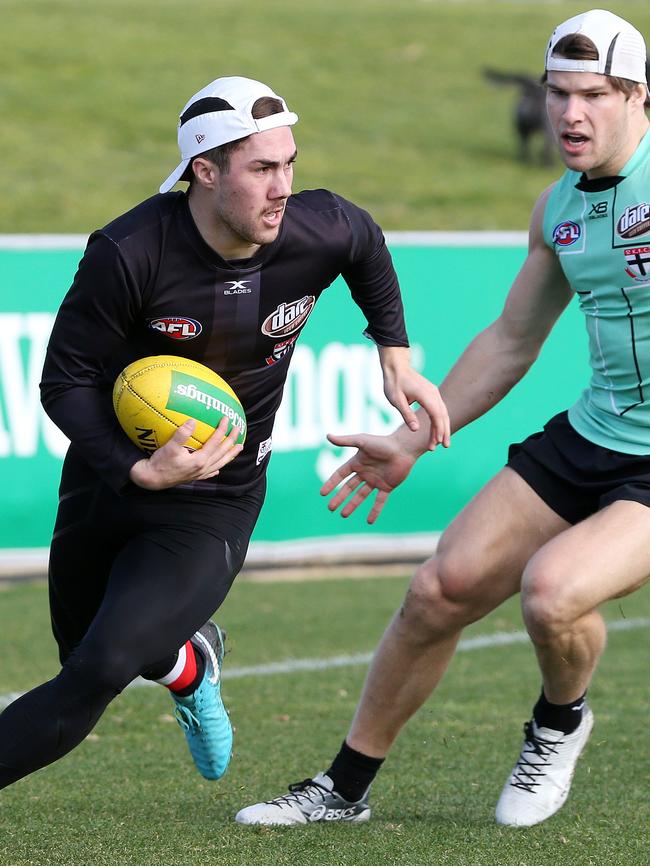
column 396, row 115
column 395, row 112
column 129, row 794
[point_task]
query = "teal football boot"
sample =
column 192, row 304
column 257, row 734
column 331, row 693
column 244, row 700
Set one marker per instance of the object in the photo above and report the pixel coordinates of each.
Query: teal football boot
column 202, row 715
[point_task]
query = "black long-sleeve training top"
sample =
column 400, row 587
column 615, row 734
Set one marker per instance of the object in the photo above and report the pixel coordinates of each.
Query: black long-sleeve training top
column 148, row 284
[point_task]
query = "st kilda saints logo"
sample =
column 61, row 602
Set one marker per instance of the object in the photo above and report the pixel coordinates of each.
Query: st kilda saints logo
column 634, row 221
column 638, row 264
column 566, row 233
column 176, row 327
column 289, row 317
column 280, row 350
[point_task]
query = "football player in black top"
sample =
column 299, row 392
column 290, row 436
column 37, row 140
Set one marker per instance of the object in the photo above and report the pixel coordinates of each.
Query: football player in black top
column 145, row 549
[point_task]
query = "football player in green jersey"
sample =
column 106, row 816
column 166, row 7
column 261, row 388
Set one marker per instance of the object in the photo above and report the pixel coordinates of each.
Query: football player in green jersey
column 566, row 522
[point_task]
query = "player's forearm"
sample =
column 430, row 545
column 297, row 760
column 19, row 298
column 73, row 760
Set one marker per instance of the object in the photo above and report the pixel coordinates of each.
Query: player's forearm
column 86, row 417
column 486, row 371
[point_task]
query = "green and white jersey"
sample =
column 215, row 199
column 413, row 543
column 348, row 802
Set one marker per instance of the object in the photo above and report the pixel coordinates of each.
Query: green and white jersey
column 600, row 232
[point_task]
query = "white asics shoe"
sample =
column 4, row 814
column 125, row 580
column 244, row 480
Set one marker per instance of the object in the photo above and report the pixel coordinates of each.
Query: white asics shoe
column 311, row 800
column 541, row 779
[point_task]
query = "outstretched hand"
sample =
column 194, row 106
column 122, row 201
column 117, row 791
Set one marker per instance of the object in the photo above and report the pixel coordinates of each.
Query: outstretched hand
column 405, row 386
column 175, row 464
column 380, row 464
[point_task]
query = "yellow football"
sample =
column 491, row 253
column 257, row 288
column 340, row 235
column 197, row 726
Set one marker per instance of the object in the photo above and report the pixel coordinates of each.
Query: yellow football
column 154, row 396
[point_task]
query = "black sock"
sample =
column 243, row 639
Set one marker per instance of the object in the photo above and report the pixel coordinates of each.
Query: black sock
column 352, row 772
column 558, row 717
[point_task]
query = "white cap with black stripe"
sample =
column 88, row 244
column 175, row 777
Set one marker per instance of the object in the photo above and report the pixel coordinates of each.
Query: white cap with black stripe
column 219, row 113
column 621, row 48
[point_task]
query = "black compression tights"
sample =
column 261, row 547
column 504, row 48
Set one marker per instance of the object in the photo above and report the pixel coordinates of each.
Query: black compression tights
column 163, row 583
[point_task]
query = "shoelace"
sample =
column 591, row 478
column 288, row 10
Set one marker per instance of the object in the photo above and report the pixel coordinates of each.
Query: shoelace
column 186, row 718
column 189, row 721
column 528, row 771
column 299, row 791
column 207, row 646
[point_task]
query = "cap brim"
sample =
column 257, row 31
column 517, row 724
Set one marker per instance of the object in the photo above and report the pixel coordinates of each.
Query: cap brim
column 175, row 176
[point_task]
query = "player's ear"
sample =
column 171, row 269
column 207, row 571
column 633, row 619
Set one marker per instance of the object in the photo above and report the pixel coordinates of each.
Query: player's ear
column 205, row 171
column 639, row 94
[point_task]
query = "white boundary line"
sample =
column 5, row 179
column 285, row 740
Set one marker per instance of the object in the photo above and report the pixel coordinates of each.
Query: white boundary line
column 487, row 641
column 457, row 239
column 290, row 666
column 22, row 242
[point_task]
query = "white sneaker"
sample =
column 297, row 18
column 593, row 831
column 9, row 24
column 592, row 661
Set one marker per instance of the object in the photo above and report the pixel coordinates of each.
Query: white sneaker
column 312, row 800
column 541, row 779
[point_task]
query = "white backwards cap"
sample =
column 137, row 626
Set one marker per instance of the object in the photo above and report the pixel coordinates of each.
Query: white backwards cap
column 219, row 113
column 621, row 48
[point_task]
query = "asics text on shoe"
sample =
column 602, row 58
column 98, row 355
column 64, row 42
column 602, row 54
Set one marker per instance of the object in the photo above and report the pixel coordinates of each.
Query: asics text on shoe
column 541, row 779
column 202, row 715
column 308, row 801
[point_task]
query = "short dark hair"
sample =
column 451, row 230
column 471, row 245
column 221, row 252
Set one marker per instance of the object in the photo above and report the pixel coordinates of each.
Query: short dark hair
column 576, row 46
column 265, row 106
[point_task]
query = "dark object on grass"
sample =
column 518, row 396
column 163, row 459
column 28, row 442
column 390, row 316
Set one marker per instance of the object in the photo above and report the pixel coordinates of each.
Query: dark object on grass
column 529, row 115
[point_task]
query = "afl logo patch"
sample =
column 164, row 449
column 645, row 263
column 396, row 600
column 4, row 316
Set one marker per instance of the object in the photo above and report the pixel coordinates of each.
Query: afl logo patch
column 176, row 327
column 566, row 233
column 287, row 318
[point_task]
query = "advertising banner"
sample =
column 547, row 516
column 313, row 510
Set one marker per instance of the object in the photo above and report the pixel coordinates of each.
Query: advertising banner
column 453, row 286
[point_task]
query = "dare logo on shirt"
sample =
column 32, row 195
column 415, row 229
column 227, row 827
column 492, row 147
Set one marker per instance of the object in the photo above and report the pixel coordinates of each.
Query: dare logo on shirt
column 176, row 327
column 288, row 317
column 634, row 221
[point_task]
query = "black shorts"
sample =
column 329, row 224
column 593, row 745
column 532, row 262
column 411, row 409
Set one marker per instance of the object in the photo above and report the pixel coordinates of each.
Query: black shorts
column 575, row 477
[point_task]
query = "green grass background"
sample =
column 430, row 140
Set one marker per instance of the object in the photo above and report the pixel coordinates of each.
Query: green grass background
column 395, row 114
column 394, row 110
column 130, row 795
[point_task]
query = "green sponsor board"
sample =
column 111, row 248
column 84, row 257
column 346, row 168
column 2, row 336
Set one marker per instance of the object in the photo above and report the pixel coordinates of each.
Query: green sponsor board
column 334, row 385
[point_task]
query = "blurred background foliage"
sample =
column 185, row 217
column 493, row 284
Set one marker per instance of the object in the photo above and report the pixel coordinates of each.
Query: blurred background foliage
column 395, row 110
